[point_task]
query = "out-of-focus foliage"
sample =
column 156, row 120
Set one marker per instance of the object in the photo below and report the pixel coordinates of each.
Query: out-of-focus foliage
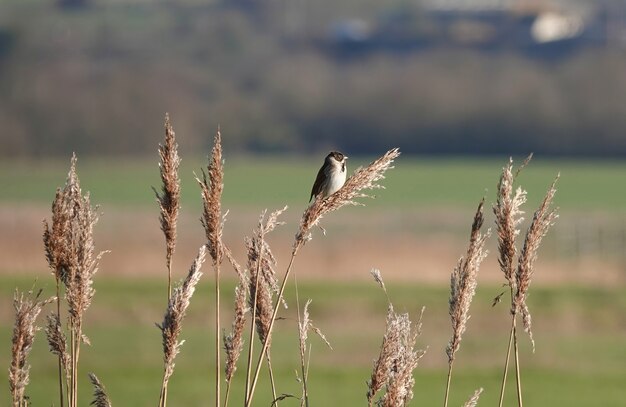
column 98, row 76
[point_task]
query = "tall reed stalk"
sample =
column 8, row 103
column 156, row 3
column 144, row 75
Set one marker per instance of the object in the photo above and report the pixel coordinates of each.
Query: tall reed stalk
column 70, row 252
column 262, row 286
column 363, row 179
column 463, row 288
column 100, row 397
column 233, row 343
column 508, row 218
column 393, row 369
column 169, row 197
column 27, row 308
column 173, row 319
column 211, row 186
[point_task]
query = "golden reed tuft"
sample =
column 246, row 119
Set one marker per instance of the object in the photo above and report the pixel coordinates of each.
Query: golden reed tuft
column 100, row 398
column 173, row 319
column 543, row 219
column 27, row 308
column 169, row 197
column 463, row 282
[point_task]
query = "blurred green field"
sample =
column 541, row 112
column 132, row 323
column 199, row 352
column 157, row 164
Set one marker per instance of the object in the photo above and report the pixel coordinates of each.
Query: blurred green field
column 260, row 182
column 579, row 331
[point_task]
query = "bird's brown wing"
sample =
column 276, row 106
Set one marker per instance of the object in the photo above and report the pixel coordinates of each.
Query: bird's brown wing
column 318, row 184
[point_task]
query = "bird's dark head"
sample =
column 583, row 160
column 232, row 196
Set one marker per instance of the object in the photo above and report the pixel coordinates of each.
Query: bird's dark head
column 336, row 155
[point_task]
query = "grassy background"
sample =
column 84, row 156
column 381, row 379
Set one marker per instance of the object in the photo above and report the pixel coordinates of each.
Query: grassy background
column 416, row 182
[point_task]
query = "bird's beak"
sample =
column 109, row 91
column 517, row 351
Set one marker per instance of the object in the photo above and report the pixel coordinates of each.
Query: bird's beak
column 345, row 157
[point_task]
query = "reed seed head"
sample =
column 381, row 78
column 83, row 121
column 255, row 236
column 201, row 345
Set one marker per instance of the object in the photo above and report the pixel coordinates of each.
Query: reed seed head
column 27, row 308
column 399, row 389
column 508, row 218
column 397, row 359
column 212, row 186
column 57, row 341
column 473, row 401
column 176, row 309
column 543, row 219
column 70, row 246
column 463, row 282
column 233, row 342
column 99, row 393
column 169, row 197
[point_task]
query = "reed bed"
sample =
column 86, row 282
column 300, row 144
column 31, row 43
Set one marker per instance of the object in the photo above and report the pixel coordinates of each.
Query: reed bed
column 259, row 294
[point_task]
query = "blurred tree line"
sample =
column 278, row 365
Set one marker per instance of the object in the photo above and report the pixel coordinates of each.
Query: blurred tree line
column 98, row 76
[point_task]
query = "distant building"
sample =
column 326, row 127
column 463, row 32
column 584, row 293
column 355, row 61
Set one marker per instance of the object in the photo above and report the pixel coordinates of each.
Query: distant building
column 539, row 28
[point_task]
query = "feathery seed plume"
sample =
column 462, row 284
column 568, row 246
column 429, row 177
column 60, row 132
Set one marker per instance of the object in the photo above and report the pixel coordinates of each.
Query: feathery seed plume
column 99, row 393
column 212, row 186
column 169, row 196
column 27, row 308
column 463, row 282
column 176, row 309
column 473, row 401
column 543, row 219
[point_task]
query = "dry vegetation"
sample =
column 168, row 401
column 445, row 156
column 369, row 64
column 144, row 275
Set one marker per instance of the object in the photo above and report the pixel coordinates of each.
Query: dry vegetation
column 70, row 251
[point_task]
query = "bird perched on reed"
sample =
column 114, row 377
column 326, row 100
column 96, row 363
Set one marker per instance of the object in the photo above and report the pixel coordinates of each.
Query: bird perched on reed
column 331, row 176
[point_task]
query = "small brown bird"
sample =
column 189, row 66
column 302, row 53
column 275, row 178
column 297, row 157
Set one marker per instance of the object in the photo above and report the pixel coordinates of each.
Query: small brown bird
column 331, row 176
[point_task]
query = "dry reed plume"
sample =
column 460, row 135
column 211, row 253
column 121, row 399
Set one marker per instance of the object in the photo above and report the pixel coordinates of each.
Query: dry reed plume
column 304, row 326
column 173, row 319
column 233, row 343
column 57, row 343
column 543, row 219
column 508, row 218
column 27, row 308
column 473, row 401
column 211, row 187
column 261, row 286
column 70, row 250
column 393, row 369
column 100, row 398
column 169, row 197
column 463, row 288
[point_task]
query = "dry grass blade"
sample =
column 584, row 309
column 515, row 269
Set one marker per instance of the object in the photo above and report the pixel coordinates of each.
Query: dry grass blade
column 169, row 197
column 99, row 393
column 473, row 401
column 463, row 282
column 363, row 179
column 543, row 219
column 176, row 309
column 27, row 308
